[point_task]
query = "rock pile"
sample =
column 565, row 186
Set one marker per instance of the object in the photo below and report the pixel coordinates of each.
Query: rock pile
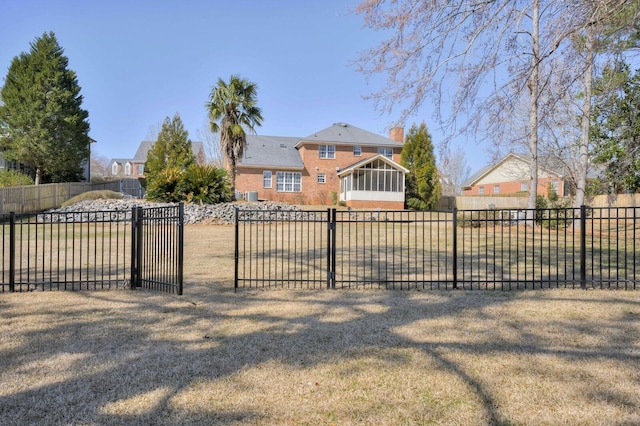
column 224, row 213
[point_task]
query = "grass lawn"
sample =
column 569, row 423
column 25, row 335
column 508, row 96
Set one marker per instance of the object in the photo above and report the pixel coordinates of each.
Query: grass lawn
column 320, row 357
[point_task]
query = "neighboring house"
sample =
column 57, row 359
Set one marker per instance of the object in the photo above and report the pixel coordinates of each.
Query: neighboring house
column 511, row 175
column 12, row 165
column 339, row 163
column 134, row 167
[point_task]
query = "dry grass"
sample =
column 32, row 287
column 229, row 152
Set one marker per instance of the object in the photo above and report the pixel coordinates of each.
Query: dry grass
column 316, row 357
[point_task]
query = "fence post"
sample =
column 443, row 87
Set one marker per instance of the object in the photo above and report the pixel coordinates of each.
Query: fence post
column 331, row 239
column 236, row 253
column 180, row 248
column 134, row 248
column 12, row 252
column 583, row 246
column 455, row 248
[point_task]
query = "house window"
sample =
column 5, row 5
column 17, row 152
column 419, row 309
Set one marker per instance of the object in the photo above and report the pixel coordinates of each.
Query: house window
column 481, row 190
column 496, row 189
column 387, row 152
column 327, row 151
column 554, row 185
column 114, row 169
column 266, row 179
column 524, row 187
column 357, row 151
column 322, row 178
column 127, row 169
column 288, row 182
column 140, row 168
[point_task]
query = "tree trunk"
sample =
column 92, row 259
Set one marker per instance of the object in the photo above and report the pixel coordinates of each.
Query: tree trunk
column 583, row 158
column 37, row 179
column 534, row 89
column 231, row 169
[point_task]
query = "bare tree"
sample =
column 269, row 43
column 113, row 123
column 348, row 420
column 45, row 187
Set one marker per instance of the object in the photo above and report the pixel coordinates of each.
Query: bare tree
column 153, row 132
column 211, row 142
column 454, row 165
column 502, row 52
column 480, row 42
column 99, row 165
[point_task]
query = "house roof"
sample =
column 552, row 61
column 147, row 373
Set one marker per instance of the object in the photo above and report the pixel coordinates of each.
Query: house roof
column 271, row 151
column 346, row 134
column 484, row 171
column 361, row 163
column 144, row 147
column 143, row 150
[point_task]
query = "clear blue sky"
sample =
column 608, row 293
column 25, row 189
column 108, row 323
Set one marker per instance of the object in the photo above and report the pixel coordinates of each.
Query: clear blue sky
column 141, row 61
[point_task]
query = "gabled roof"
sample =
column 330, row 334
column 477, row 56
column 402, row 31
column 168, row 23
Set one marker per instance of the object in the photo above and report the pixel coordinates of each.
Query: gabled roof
column 143, row 150
column 271, row 151
column 484, row 171
column 121, row 160
column 346, row 134
column 365, row 161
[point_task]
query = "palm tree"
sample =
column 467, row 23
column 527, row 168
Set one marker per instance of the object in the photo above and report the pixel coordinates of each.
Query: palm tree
column 232, row 109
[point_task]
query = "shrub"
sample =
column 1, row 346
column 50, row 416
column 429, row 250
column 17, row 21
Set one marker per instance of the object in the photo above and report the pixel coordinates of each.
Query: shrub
column 165, row 185
column 205, row 184
column 416, row 204
column 14, row 178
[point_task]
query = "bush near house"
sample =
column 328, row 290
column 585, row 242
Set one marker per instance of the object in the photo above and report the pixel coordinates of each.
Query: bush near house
column 14, row 178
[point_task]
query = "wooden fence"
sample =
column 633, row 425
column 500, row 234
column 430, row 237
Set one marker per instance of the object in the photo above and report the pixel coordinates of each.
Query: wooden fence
column 37, row 198
column 482, row 202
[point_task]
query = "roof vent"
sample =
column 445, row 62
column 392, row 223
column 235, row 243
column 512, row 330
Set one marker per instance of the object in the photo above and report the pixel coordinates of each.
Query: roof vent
column 342, row 124
column 282, row 145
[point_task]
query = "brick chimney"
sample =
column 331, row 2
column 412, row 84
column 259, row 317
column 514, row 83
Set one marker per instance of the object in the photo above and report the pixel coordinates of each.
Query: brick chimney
column 397, row 134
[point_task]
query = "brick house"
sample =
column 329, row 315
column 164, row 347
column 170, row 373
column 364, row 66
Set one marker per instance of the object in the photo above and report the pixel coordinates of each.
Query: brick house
column 339, row 163
column 511, row 175
column 134, row 167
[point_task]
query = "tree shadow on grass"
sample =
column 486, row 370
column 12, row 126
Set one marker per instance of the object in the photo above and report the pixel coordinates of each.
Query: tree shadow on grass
column 154, row 348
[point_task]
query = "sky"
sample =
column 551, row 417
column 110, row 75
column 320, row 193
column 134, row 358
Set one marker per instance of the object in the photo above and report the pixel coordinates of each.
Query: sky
column 140, row 61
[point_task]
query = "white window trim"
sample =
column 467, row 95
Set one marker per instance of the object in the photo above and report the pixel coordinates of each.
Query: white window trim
column 359, row 148
column 327, row 152
column 321, row 178
column 270, row 183
column 291, row 180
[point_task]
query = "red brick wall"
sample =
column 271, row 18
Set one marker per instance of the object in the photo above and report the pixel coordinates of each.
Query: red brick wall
column 383, row 205
column 514, row 187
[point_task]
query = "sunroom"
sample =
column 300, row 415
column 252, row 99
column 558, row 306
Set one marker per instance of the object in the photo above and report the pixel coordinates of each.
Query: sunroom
column 375, row 179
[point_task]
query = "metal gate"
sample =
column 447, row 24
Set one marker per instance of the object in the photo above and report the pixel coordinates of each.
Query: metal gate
column 97, row 250
column 157, row 248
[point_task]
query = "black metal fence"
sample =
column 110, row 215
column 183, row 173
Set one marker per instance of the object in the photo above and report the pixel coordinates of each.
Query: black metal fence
column 98, row 250
column 471, row 249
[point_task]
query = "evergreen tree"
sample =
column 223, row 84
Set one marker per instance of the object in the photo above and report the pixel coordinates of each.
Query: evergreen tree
column 423, row 183
column 615, row 132
column 44, row 124
column 168, row 160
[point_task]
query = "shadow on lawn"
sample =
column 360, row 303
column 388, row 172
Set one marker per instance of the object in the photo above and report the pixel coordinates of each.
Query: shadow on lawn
column 121, row 353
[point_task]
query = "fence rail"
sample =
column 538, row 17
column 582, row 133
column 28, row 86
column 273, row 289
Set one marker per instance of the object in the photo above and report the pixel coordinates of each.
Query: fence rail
column 469, row 249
